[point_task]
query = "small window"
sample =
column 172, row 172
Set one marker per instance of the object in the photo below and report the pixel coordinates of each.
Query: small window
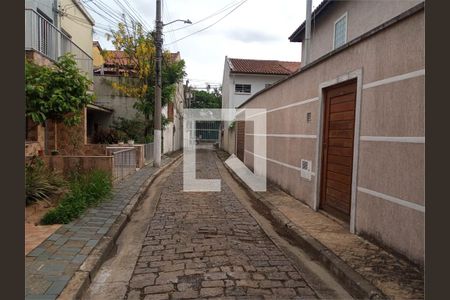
column 242, row 88
column 340, row 31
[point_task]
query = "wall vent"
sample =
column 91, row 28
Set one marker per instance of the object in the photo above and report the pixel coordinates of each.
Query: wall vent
column 305, row 169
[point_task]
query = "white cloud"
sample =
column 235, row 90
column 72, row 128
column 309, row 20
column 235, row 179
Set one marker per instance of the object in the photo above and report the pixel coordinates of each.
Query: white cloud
column 258, row 29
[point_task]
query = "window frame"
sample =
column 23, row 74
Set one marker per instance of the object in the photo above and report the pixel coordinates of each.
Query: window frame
column 345, row 15
column 242, row 93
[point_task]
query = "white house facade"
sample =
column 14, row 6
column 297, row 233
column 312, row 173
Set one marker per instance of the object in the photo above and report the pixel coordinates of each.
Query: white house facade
column 243, row 78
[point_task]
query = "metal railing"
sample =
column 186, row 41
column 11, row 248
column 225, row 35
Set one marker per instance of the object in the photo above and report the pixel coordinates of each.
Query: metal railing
column 148, row 152
column 124, row 161
column 207, row 131
column 43, row 37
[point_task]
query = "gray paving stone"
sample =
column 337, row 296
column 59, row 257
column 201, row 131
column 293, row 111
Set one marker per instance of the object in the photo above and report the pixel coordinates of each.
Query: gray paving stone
column 50, row 266
column 208, row 246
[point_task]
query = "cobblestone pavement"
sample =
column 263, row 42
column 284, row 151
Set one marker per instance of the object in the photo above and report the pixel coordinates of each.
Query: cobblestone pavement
column 206, row 245
column 49, row 266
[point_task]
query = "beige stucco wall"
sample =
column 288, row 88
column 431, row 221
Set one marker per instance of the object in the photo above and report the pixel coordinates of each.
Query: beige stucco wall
column 362, row 16
column 77, row 25
column 97, row 57
column 396, row 109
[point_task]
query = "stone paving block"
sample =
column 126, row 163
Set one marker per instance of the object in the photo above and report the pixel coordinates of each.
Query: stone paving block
column 79, row 258
column 77, row 239
column 142, row 280
column 284, row 292
column 36, row 251
column 56, row 287
column 211, row 292
column 189, row 294
column 156, row 297
column 207, row 245
column 40, row 297
column 157, row 289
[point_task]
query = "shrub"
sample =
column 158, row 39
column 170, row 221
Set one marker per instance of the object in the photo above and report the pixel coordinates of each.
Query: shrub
column 58, row 92
column 133, row 128
column 105, row 136
column 85, row 191
column 40, row 182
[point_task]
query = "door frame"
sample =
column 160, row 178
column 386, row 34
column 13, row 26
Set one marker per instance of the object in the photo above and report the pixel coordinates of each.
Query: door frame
column 358, row 75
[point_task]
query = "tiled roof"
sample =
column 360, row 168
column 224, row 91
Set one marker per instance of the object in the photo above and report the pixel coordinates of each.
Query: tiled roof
column 113, row 57
column 271, row 67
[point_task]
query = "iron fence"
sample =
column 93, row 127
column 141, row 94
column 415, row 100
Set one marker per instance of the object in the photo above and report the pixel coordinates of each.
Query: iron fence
column 43, row 37
column 207, row 131
column 124, row 161
column 148, row 152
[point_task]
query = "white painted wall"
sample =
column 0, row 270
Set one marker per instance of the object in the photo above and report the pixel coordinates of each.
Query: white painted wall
column 230, row 99
column 258, row 83
column 173, row 132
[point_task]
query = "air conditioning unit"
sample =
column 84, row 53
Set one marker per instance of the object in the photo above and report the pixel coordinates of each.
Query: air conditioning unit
column 305, row 169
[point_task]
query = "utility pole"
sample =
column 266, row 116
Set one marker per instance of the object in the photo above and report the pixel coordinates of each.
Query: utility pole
column 157, row 116
column 307, row 32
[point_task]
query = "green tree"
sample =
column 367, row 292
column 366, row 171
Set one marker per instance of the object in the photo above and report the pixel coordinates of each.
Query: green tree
column 139, row 62
column 58, row 92
column 204, row 99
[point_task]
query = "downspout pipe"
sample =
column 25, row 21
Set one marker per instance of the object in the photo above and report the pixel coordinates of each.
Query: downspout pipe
column 307, row 39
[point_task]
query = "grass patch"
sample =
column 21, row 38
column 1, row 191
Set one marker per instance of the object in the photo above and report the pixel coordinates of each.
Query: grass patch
column 40, row 182
column 85, row 191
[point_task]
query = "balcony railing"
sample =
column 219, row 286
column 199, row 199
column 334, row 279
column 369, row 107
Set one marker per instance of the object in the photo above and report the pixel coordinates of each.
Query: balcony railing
column 43, row 37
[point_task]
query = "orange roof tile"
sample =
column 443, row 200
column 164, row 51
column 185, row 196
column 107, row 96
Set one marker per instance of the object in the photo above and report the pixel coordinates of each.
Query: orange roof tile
column 254, row 66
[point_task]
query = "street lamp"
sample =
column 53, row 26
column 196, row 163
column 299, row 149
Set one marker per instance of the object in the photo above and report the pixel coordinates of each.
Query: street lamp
column 178, row 20
column 158, row 86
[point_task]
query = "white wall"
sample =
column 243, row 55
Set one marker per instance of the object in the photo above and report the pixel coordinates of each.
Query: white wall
column 230, row 99
column 173, row 132
column 258, row 83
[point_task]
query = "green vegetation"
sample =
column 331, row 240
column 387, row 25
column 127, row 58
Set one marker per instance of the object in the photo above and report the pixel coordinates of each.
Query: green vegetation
column 204, row 99
column 139, row 47
column 85, row 191
column 40, row 182
column 58, row 92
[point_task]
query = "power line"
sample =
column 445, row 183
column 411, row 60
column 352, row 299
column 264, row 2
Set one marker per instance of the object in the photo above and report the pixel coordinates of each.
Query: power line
column 226, row 7
column 209, row 26
column 165, row 11
column 141, row 18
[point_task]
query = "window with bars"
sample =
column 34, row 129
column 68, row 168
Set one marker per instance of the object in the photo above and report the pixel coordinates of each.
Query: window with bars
column 242, row 88
column 340, row 31
column 45, row 34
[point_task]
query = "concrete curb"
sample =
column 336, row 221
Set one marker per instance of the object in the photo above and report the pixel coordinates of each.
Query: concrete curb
column 81, row 280
column 352, row 281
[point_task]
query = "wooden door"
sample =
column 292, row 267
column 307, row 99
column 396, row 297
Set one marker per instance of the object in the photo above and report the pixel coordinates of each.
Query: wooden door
column 337, row 149
column 240, row 139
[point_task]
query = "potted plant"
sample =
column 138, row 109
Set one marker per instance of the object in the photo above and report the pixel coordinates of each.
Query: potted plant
column 121, row 137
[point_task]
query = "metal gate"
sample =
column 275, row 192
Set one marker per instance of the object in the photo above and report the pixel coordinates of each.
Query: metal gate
column 207, row 131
